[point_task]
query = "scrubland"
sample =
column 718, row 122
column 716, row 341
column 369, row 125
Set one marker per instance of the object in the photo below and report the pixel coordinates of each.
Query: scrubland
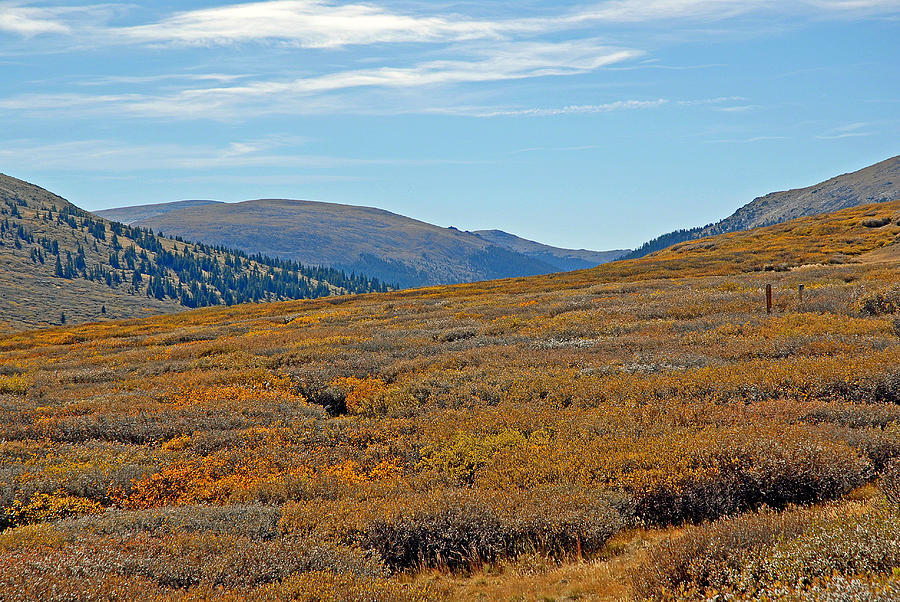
column 641, row 430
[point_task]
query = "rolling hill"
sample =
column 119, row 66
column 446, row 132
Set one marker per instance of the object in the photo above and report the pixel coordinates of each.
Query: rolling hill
column 60, row 263
column 624, row 432
column 365, row 240
column 874, row 184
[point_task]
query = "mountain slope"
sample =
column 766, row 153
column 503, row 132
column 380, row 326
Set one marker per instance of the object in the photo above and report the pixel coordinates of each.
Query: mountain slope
column 874, row 184
column 563, row 259
column 130, row 215
column 58, row 260
column 850, row 235
column 391, row 247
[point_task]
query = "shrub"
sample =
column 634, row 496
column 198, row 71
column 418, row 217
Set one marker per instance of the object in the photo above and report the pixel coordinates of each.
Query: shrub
column 890, row 483
column 880, row 446
column 14, row 384
column 885, row 301
column 252, row 521
column 743, row 470
column 876, row 222
column 710, row 555
column 46, row 507
column 848, row 544
column 462, row 529
column 178, row 561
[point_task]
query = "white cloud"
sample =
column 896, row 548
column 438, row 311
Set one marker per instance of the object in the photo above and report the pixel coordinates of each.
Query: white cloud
column 751, row 139
column 554, row 149
column 856, row 5
column 308, row 23
column 498, row 62
column 738, row 108
column 319, row 24
column 27, row 21
column 711, row 101
column 620, row 105
column 163, row 77
column 850, row 130
column 844, row 135
column 324, row 24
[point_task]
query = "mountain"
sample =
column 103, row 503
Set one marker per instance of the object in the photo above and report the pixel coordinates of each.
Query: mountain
column 874, row 184
column 130, row 215
column 391, row 247
column 61, row 263
column 564, row 260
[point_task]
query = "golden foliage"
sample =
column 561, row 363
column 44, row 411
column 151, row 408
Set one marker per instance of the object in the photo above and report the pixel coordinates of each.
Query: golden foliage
column 548, row 412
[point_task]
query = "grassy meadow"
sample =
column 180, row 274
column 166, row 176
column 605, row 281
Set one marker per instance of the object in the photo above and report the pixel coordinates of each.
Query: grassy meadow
column 640, row 430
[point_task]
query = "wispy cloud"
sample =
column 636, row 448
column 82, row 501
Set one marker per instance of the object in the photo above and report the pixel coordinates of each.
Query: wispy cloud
column 28, row 21
column 751, row 139
column 323, row 24
column 555, row 149
column 163, row 77
column 737, row 108
column 306, row 23
column 103, row 155
column 609, row 107
column 711, row 101
column 619, row 105
column 851, row 130
column 492, row 63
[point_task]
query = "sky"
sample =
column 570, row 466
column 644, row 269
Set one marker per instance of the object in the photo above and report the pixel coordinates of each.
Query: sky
column 579, row 124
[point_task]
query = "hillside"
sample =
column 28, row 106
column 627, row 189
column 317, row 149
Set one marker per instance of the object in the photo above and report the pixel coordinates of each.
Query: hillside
column 833, row 238
column 365, row 240
column 130, row 215
column 61, row 262
column 564, row 260
column 874, row 184
column 564, row 436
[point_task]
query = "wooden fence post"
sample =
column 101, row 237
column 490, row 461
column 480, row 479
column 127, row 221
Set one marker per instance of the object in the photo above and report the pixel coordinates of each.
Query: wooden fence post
column 768, row 298
column 800, row 292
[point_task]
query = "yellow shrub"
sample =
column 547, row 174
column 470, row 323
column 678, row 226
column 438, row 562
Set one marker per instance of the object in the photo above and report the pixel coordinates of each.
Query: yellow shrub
column 43, row 507
column 15, row 384
column 460, row 457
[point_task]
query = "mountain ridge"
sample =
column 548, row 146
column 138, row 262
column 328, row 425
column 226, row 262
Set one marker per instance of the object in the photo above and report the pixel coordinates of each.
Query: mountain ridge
column 377, row 242
column 879, row 182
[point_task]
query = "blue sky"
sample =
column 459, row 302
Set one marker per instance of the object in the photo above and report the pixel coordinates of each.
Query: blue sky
column 580, row 124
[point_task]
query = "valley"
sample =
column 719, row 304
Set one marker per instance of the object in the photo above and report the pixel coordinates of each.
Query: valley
column 552, row 437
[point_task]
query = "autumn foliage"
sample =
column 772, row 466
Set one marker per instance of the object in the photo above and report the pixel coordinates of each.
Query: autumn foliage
column 342, row 448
